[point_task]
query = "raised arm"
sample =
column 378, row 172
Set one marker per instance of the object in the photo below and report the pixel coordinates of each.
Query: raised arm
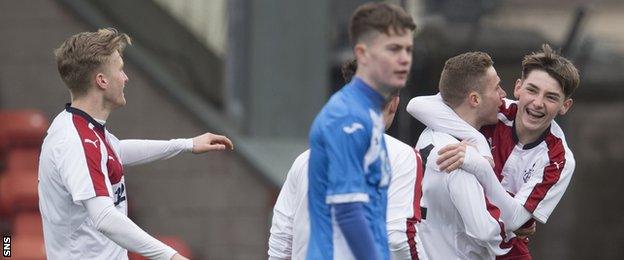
column 435, row 114
column 135, row 152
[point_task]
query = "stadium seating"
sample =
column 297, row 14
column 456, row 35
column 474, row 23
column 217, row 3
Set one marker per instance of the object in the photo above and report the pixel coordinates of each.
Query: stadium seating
column 21, row 135
column 18, row 192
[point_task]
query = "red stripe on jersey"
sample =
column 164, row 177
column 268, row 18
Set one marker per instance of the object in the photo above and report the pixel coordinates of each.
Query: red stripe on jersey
column 89, row 140
column 495, row 213
column 552, row 172
column 502, row 146
column 508, row 112
column 115, row 169
column 411, row 222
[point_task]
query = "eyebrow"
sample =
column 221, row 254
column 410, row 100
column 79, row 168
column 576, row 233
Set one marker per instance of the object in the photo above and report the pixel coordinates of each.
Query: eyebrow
column 547, row 93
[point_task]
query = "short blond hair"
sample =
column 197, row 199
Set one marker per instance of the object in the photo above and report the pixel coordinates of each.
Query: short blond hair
column 81, row 54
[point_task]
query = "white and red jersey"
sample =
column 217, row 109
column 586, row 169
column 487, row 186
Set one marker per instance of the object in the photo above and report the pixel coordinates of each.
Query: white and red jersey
column 291, row 224
column 79, row 161
column 537, row 173
column 456, row 223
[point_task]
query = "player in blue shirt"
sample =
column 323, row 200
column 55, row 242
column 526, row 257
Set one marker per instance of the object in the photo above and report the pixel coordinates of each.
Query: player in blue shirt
column 349, row 170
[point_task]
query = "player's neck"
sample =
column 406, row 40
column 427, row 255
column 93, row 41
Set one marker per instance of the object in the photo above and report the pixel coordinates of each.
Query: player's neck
column 93, row 106
column 468, row 115
column 525, row 135
column 384, row 91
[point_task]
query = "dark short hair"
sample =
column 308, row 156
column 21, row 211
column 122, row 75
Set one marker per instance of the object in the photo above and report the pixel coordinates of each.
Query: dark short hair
column 378, row 17
column 557, row 66
column 463, row 74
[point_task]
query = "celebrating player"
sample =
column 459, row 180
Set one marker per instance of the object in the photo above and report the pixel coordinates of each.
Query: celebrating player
column 82, row 196
column 532, row 159
column 349, row 170
column 455, row 221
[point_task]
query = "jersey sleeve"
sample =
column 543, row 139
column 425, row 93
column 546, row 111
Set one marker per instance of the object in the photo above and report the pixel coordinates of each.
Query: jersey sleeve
column 135, row 152
column 548, row 182
column 513, row 214
column 402, row 202
column 467, row 195
column 281, row 237
column 432, row 112
column 82, row 168
column 346, row 142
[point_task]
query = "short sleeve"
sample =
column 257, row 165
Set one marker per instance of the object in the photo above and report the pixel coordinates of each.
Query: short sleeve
column 81, row 170
column 346, row 142
column 547, row 184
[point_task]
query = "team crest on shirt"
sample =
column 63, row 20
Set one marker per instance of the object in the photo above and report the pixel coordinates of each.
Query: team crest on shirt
column 528, row 173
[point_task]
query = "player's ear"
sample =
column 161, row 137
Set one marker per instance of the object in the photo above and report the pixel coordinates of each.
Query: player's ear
column 517, row 88
column 474, row 99
column 360, row 52
column 101, row 81
column 567, row 104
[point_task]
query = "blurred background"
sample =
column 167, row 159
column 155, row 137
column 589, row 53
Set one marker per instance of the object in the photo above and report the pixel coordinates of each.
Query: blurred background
column 258, row 72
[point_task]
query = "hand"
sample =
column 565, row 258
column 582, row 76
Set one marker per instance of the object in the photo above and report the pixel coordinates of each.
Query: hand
column 451, row 157
column 523, row 233
column 211, row 142
column 178, row 257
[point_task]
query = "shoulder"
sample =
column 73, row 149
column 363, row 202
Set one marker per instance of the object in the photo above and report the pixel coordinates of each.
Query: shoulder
column 397, row 149
column 302, row 160
column 556, row 145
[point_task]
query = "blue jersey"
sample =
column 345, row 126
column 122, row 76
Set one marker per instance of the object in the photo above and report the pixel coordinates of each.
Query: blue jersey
column 348, row 163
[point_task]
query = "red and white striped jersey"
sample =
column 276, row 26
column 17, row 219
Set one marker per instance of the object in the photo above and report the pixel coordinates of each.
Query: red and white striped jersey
column 537, row 173
column 456, row 221
column 79, row 160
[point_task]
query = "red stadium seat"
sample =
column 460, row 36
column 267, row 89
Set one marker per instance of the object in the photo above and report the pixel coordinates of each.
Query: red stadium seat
column 22, row 127
column 25, row 159
column 174, row 242
column 18, row 192
column 27, row 224
column 27, row 247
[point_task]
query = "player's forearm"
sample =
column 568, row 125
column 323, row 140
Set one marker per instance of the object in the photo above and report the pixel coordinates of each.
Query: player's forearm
column 355, row 228
column 467, row 196
column 435, row 114
column 121, row 230
column 134, row 152
column 513, row 213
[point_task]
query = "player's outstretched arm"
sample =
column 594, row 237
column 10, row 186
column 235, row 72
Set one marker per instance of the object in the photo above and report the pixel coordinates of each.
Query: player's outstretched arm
column 435, row 114
column 121, row 230
column 136, row 151
column 211, row 142
column 513, row 213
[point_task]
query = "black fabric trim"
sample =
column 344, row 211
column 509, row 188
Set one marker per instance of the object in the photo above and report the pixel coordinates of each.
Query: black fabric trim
column 424, row 154
column 423, row 212
column 84, row 115
column 532, row 145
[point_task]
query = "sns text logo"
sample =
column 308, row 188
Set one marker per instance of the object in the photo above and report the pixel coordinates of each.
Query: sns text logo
column 6, row 246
